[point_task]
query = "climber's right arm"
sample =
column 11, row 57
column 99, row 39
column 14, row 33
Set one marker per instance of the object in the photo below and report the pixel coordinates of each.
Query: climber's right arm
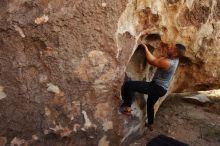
column 158, row 62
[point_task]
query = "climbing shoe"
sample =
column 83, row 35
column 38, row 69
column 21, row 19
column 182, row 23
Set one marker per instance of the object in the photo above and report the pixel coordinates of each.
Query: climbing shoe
column 125, row 109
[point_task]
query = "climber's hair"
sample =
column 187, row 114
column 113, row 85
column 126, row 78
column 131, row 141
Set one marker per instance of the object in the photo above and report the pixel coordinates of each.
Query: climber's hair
column 180, row 50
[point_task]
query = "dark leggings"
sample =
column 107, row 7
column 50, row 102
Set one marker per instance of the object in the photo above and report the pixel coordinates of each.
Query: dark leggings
column 153, row 90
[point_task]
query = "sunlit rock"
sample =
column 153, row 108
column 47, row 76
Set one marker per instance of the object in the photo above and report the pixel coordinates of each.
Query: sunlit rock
column 88, row 49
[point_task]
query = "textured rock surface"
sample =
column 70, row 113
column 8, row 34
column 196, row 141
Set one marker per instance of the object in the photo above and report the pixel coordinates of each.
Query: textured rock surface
column 62, row 62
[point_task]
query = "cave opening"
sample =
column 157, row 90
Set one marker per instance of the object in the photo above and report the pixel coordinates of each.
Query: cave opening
column 138, row 68
column 153, row 37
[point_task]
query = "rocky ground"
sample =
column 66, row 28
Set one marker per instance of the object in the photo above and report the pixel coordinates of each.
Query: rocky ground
column 194, row 124
column 189, row 122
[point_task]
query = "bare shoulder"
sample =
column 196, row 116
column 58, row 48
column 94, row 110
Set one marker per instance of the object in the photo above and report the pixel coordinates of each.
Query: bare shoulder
column 162, row 62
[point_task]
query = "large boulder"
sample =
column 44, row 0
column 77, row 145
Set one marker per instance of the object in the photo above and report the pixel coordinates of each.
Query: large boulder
column 62, row 63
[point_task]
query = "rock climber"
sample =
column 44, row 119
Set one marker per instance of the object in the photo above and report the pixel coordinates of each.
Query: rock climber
column 166, row 67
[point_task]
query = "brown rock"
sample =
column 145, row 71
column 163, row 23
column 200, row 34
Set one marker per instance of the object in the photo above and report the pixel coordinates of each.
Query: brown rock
column 17, row 141
column 102, row 111
column 85, row 48
column 103, row 141
column 2, row 93
column 3, row 141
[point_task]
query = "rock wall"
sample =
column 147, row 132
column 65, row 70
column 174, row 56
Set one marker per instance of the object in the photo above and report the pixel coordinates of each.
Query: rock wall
column 62, row 63
column 194, row 23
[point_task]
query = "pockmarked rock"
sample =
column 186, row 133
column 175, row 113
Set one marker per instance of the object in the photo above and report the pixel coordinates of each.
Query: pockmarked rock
column 2, row 93
column 3, row 141
column 63, row 62
column 17, row 141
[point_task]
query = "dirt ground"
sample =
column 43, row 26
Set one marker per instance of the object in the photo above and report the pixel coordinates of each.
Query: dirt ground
column 191, row 123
